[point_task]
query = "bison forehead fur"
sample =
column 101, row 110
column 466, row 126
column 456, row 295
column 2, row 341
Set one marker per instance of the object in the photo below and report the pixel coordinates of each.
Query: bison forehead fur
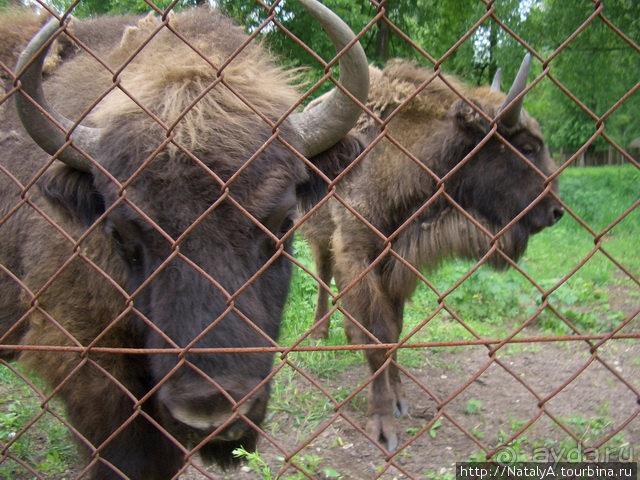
column 418, row 186
column 224, row 116
column 165, row 213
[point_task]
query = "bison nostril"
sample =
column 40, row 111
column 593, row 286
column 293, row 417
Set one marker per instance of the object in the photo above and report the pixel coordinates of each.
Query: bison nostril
column 557, row 214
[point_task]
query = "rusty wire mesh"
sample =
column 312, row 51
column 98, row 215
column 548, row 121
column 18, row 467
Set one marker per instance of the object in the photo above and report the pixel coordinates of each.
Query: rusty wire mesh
column 489, row 359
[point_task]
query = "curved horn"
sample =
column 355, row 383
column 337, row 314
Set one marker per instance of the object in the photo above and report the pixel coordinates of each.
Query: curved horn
column 45, row 133
column 323, row 126
column 512, row 114
column 497, row 80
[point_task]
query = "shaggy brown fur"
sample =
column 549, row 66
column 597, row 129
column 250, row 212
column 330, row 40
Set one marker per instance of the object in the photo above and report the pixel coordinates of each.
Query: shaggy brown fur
column 388, row 186
column 142, row 275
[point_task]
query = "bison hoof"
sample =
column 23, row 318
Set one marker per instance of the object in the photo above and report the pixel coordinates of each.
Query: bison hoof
column 382, row 428
column 401, row 409
column 321, row 332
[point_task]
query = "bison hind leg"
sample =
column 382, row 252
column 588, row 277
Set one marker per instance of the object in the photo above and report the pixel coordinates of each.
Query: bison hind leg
column 321, row 252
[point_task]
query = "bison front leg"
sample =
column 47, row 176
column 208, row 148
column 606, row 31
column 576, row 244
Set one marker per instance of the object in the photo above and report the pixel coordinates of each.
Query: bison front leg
column 379, row 319
column 401, row 404
column 387, row 398
column 382, row 402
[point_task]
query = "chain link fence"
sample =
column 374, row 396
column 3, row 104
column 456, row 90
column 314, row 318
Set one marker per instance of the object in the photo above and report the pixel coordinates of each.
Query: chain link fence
column 515, row 390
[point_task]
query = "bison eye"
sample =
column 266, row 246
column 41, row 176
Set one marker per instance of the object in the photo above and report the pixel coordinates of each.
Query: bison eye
column 132, row 254
column 279, row 228
column 285, row 226
column 136, row 257
column 130, row 251
column 528, row 149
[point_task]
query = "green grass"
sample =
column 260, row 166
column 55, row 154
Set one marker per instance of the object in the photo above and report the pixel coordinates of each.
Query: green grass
column 307, row 464
column 46, row 445
column 588, row 429
column 298, row 318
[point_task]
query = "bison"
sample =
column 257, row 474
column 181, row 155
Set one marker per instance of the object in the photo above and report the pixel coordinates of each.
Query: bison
column 442, row 170
column 143, row 255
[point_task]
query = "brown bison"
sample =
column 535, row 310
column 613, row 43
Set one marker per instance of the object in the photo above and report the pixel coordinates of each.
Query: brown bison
column 163, row 232
column 457, row 172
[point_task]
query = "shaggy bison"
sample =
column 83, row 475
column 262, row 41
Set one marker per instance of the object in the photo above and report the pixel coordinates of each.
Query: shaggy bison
column 161, row 230
column 457, row 174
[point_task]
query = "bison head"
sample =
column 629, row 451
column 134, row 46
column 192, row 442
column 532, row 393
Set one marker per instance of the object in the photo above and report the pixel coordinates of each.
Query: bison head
column 191, row 190
column 497, row 167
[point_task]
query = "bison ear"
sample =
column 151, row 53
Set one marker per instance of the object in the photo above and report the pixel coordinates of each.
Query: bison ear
column 468, row 119
column 72, row 193
column 331, row 163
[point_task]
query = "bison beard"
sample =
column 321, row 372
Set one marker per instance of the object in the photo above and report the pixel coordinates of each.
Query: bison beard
column 431, row 204
column 147, row 239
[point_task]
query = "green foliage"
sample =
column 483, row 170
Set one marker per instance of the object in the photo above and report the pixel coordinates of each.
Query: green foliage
column 433, row 26
column 87, row 8
column 300, row 404
column 307, row 464
column 473, row 407
column 432, row 475
column 255, row 461
column 598, row 67
column 599, row 196
column 299, row 312
column 332, row 473
column 434, row 428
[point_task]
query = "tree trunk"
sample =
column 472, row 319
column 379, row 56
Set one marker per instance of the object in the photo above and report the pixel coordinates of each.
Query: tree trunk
column 493, row 42
column 383, row 38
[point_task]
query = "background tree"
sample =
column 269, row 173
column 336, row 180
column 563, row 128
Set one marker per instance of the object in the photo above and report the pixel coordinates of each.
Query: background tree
column 598, row 67
column 88, row 8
